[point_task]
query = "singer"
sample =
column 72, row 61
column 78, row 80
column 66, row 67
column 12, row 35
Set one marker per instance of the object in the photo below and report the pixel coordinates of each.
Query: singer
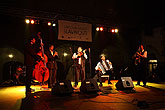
column 80, row 58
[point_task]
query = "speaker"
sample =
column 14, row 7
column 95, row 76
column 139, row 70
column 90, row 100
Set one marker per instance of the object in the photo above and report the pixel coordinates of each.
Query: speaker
column 62, row 87
column 124, row 83
column 89, row 86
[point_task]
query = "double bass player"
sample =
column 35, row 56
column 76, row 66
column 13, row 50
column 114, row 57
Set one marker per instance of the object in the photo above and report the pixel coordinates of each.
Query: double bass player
column 30, row 58
column 32, row 55
column 41, row 72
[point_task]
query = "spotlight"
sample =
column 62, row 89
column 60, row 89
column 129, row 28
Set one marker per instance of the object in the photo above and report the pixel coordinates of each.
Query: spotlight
column 53, row 24
column 112, row 30
column 116, row 30
column 97, row 29
column 49, row 23
column 32, row 21
column 27, row 21
column 10, row 55
column 101, row 28
column 65, row 54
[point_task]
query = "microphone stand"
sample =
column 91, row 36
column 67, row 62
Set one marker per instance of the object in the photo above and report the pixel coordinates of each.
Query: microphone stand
column 89, row 61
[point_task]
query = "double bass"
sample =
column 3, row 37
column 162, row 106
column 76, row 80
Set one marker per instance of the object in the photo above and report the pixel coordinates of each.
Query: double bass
column 41, row 72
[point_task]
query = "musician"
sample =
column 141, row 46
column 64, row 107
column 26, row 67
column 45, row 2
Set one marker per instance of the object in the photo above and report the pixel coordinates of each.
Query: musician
column 104, row 66
column 41, row 72
column 52, row 65
column 141, row 64
column 30, row 57
column 80, row 58
column 19, row 72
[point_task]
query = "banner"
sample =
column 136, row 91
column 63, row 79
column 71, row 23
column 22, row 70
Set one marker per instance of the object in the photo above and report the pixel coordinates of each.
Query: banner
column 75, row 31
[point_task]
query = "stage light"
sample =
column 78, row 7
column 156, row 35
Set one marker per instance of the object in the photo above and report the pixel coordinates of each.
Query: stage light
column 97, row 29
column 65, row 54
column 27, row 21
column 101, row 28
column 112, row 30
column 49, row 23
column 10, row 55
column 116, row 30
column 32, row 21
column 53, row 24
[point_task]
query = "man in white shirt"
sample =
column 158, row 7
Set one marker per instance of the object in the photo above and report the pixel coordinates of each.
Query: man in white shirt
column 79, row 58
column 103, row 67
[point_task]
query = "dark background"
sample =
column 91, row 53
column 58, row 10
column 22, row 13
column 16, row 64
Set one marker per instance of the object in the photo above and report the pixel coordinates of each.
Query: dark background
column 130, row 17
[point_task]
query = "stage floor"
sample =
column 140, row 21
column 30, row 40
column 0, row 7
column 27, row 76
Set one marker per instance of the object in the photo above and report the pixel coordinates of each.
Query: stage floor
column 151, row 97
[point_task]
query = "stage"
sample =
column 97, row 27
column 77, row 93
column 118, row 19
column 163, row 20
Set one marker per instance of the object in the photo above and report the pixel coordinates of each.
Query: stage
column 151, row 97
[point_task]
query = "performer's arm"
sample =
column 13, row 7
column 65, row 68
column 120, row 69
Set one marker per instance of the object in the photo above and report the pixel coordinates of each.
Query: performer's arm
column 97, row 66
column 55, row 55
column 110, row 64
column 145, row 54
column 85, row 55
column 74, row 56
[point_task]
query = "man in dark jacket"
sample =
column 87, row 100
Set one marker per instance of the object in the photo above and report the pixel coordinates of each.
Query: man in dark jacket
column 52, row 65
column 30, row 57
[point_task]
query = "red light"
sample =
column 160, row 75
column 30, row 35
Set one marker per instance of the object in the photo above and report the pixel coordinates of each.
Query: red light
column 112, row 30
column 32, row 21
column 101, row 28
column 49, row 23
